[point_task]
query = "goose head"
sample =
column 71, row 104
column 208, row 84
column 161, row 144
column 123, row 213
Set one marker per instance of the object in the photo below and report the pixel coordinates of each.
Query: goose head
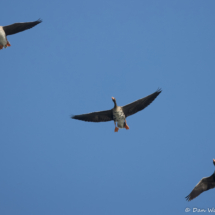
column 114, row 101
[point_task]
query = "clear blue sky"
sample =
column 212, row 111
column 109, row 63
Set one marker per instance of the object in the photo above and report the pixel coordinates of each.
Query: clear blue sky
column 82, row 54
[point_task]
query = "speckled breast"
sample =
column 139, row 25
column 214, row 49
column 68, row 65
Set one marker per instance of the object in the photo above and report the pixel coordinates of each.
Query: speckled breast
column 3, row 40
column 119, row 117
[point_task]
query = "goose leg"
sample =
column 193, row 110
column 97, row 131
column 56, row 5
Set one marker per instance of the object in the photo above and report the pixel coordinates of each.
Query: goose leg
column 116, row 129
column 126, row 126
column 1, row 47
column 8, row 44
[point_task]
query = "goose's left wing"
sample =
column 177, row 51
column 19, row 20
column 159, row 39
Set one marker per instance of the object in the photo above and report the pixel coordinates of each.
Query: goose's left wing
column 140, row 104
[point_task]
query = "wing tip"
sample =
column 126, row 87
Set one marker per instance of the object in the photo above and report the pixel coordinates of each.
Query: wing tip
column 72, row 117
column 188, row 198
column 39, row 21
column 159, row 90
column 76, row 117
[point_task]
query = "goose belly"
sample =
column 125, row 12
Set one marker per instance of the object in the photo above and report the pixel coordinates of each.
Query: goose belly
column 119, row 117
column 3, row 39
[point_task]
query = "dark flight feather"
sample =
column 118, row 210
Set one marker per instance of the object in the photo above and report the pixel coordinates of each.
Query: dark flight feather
column 18, row 27
column 140, row 104
column 101, row 116
column 204, row 185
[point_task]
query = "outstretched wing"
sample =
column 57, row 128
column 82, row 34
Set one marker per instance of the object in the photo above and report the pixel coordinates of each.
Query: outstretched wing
column 101, row 116
column 204, row 185
column 140, row 104
column 18, row 27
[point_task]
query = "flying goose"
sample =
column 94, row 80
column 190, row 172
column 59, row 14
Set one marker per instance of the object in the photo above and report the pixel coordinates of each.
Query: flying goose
column 119, row 113
column 205, row 184
column 13, row 29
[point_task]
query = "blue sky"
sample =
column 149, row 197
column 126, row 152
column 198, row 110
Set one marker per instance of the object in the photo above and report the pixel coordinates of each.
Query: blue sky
column 82, row 54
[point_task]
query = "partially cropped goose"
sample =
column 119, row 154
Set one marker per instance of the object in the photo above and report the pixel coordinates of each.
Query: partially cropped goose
column 13, row 29
column 118, row 113
column 205, row 184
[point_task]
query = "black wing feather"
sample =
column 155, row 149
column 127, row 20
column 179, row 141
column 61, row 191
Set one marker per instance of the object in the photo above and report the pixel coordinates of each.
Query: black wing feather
column 204, row 185
column 140, row 104
column 101, row 116
column 18, row 27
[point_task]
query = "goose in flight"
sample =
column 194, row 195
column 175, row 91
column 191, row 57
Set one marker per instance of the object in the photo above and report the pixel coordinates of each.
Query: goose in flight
column 119, row 113
column 205, row 184
column 13, row 29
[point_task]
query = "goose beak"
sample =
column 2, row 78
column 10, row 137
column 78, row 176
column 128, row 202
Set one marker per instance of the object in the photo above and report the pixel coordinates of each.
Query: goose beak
column 214, row 161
